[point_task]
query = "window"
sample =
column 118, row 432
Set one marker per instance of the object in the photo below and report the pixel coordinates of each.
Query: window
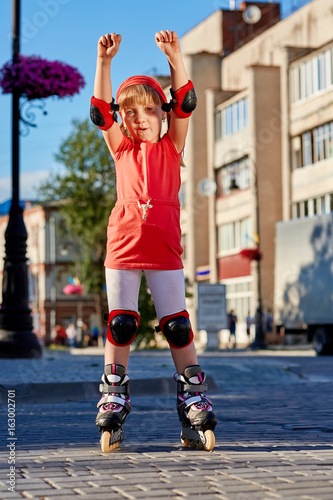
column 295, row 84
column 218, row 125
column 309, row 74
column 312, row 76
column 319, row 133
column 313, row 87
column 245, row 231
column 313, row 206
column 236, row 174
column 234, row 236
column 323, row 142
column 321, row 76
column 226, row 237
column 233, row 119
column 323, row 204
column 245, row 113
column 307, row 148
column 329, row 140
column 312, row 146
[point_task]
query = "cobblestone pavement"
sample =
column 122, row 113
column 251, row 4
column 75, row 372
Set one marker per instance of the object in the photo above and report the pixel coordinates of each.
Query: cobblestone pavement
column 274, row 437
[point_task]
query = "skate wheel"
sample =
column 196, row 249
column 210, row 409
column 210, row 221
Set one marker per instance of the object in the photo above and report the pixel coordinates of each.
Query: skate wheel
column 193, row 444
column 185, row 442
column 209, row 440
column 105, row 442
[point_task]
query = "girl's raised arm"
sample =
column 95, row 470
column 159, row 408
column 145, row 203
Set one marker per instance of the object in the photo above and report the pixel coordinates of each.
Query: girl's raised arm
column 168, row 42
column 107, row 48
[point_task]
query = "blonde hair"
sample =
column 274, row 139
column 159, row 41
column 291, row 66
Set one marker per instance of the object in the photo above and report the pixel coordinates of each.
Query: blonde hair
column 138, row 94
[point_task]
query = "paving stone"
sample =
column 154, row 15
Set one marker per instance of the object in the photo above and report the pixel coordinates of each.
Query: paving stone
column 302, row 486
column 21, row 485
column 148, row 494
column 310, row 491
column 50, row 493
column 254, row 458
column 6, row 495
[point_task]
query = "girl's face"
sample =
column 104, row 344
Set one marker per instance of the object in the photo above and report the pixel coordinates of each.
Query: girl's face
column 144, row 121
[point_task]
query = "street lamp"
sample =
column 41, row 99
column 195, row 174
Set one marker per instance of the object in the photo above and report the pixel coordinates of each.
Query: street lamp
column 259, row 341
column 17, row 339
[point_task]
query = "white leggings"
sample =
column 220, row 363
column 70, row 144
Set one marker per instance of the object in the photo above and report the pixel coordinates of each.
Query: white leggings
column 167, row 289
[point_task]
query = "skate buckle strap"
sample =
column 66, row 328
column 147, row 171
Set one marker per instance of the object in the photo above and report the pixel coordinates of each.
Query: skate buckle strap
column 190, row 401
column 183, row 387
column 114, row 399
column 114, row 389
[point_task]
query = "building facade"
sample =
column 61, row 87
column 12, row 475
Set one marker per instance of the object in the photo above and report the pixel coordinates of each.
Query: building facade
column 204, row 49
column 263, row 134
column 53, row 258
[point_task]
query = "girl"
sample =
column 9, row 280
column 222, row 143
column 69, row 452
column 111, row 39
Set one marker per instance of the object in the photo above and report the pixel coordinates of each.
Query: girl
column 144, row 234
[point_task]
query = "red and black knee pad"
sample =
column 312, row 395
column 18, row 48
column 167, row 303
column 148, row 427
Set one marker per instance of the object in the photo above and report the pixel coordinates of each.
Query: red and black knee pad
column 122, row 327
column 100, row 113
column 177, row 329
column 184, row 100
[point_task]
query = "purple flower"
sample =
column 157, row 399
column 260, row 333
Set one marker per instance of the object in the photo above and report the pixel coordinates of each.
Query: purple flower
column 37, row 78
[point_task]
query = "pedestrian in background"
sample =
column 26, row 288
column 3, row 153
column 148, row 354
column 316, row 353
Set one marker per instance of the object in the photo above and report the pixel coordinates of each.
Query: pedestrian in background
column 268, row 320
column 249, row 323
column 232, row 321
column 71, row 334
column 60, row 335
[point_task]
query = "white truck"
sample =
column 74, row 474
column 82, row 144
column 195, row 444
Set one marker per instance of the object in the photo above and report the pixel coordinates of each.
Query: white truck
column 303, row 295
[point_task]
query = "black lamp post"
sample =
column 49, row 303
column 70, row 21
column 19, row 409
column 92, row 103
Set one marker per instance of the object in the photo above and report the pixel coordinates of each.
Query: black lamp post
column 17, row 339
column 259, row 341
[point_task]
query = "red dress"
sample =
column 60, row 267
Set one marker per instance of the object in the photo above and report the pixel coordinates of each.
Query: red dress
column 144, row 226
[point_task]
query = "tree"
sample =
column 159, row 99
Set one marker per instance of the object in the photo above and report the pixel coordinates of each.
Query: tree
column 146, row 333
column 86, row 192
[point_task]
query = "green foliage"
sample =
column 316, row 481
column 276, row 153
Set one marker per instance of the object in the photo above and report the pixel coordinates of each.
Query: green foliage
column 146, row 334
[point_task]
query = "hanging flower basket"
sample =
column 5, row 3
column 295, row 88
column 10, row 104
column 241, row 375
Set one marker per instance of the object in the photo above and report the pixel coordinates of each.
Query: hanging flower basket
column 251, row 253
column 73, row 289
column 37, row 78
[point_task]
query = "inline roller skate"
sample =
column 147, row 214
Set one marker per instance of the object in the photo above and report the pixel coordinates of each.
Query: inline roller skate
column 114, row 406
column 195, row 410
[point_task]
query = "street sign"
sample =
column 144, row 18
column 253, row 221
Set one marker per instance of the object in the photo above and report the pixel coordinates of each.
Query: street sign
column 211, row 307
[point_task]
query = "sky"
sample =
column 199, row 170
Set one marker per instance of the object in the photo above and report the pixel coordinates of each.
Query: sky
column 68, row 31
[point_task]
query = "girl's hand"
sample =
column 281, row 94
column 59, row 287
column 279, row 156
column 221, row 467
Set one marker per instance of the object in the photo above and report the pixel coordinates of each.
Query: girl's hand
column 168, row 42
column 108, row 46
